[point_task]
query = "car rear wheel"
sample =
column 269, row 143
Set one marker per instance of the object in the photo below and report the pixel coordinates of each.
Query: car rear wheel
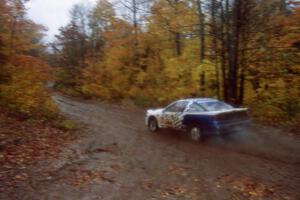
column 152, row 125
column 196, row 133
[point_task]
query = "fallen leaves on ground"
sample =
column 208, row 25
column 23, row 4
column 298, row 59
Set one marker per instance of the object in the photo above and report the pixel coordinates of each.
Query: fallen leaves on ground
column 25, row 142
column 251, row 188
column 169, row 191
column 79, row 177
column 148, row 185
column 176, row 192
column 178, row 170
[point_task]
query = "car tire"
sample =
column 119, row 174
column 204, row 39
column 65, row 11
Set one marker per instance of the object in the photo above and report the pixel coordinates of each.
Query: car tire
column 196, row 133
column 153, row 125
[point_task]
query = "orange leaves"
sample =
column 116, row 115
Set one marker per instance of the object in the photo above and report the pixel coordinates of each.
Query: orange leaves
column 26, row 94
column 174, row 191
column 24, row 143
column 20, row 35
column 25, row 91
column 115, row 67
column 80, row 177
column 251, row 188
column 21, row 177
column 27, row 142
column 23, row 73
column 179, row 170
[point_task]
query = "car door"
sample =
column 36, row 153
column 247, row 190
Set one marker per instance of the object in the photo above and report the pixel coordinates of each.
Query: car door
column 177, row 117
column 166, row 118
column 173, row 115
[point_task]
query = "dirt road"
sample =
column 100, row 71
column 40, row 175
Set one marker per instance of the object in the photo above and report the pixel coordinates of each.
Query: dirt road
column 117, row 158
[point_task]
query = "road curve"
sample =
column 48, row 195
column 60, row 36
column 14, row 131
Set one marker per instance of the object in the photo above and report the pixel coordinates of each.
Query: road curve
column 138, row 165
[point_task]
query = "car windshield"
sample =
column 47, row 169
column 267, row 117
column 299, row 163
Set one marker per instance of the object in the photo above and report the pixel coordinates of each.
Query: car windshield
column 215, row 105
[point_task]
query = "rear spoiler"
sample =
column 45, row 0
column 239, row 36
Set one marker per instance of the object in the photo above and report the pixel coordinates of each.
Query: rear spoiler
column 226, row 111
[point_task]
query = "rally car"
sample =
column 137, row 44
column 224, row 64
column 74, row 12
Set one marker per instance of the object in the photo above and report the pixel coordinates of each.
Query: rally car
column 200, row 117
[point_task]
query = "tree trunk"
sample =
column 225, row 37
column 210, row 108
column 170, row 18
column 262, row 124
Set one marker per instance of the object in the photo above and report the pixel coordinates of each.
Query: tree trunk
column 242, row 87
column 178, row 43
column 136, row 56
column 12, row 37
column 201, row 19
column 135, row 23
column 234, row 52
column 202, row 84
column 223, row 52
column 177, row 33
column 214, row 45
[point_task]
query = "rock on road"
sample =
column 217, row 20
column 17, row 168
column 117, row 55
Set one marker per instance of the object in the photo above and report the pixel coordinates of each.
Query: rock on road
column 117, row 158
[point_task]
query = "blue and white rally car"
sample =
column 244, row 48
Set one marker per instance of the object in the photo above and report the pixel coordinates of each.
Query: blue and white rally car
column 200, row 117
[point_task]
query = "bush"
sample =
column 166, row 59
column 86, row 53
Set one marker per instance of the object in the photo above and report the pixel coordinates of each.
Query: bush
column 277, row 110
column 25, row 92
column 291, row 107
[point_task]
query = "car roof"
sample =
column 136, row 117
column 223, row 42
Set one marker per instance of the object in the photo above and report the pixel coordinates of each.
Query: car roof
column 200, row 100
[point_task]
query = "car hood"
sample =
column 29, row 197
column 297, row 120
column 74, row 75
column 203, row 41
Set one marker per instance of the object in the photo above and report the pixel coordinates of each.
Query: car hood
column 155, row 111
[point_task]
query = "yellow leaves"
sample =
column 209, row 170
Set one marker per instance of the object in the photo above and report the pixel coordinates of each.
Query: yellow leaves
column 275, row 101
column 95, row 90
column 103, row 14
column 25, row 92
column 105, row 80
column 291, row 26
column 141, row 78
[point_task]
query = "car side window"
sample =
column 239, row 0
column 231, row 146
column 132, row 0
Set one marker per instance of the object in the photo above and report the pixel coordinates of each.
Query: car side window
column 177, row 107
column 194, row 108
column 171, row 108
column 181, row 106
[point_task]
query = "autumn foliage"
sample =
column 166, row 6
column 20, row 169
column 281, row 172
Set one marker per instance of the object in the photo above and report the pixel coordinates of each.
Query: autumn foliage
column 244, row 52
column 152, row 52
column 23, row 72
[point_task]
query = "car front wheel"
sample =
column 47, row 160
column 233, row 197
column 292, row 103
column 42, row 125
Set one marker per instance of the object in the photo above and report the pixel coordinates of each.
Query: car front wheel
column 152, row 125
column 196, row 133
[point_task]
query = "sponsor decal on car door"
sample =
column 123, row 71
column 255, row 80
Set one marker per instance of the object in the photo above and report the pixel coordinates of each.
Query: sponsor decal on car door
column 166, row 119
column 175, row 118
column 178, row 116
column 173, row 115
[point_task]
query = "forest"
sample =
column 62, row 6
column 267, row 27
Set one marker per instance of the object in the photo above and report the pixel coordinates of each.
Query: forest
column 72, row 109
column 154, row 51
